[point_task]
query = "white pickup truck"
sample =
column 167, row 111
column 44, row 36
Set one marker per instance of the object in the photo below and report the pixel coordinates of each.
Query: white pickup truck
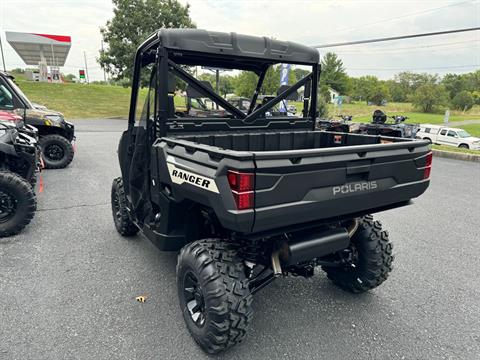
column 448, row 136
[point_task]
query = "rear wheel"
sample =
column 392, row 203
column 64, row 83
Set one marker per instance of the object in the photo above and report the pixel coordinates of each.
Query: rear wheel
column 121, row 217
column 370, row 259
column 214, row 295
column 463, row 146
column 17, row 203
column 57, row 151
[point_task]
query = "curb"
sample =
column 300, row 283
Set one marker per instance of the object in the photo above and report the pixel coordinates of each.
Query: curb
column 456, row 155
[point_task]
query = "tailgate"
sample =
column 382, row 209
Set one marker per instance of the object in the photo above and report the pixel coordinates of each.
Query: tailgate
column 293, row 187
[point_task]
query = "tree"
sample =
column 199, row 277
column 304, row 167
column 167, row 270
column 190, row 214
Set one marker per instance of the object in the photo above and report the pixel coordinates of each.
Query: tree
column 245, row 83
column 397, row 92
column 429, row 97
column 410, row 81
column 322, row 108
column 225, row 82
column 476, row 97
column 455, row 83
column 69, row 78
column 370, row 89
column 18, row 71
column 463, row 101
column 334, row 74
column 300, row 73
column 133, row 21
column 378, row 94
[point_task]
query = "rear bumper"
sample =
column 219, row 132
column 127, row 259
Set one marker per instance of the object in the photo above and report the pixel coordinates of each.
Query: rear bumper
column 269, row 218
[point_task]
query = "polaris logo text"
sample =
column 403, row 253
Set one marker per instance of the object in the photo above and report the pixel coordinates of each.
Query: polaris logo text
column 180, row 176
column 354, row 187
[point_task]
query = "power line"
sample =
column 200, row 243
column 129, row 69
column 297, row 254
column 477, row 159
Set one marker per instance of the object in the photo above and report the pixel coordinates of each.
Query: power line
column 418, row 68
column 447, row 51
column 396, row 18
column 396, row 37
column 395, row 49
column 3, row 56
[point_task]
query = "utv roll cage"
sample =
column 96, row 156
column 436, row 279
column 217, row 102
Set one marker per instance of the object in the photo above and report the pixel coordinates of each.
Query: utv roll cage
column 170, row 49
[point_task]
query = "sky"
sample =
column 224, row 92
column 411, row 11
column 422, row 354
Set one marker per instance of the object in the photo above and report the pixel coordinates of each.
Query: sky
column 308, row 22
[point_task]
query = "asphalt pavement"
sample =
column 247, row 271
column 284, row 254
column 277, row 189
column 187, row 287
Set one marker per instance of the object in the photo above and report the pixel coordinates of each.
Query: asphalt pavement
column 68, row 283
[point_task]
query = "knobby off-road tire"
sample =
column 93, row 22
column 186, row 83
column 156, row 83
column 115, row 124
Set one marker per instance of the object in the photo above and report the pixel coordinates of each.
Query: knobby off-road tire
column 372, row 258
column 121, row 218
column 17, row 203
column 214, row 294
column 57, row 151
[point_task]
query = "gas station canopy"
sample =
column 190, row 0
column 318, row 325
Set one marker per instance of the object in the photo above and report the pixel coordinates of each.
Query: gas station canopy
column 34, row 48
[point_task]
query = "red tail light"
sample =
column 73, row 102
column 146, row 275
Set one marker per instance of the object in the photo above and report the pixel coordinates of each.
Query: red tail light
column 242, row 185
column 428, row 166
column 240, row 181
column 244, row 200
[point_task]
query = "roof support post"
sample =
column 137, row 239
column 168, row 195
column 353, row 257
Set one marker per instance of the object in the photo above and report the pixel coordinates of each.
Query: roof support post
column 257, row 89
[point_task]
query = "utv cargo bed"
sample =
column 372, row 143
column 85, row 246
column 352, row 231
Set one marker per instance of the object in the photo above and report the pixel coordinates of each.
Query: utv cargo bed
column 298, row 176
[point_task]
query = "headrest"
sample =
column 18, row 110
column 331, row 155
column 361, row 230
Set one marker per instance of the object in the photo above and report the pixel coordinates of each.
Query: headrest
column 292, row 96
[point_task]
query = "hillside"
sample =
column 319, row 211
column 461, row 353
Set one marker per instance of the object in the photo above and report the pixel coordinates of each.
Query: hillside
column 79, row 100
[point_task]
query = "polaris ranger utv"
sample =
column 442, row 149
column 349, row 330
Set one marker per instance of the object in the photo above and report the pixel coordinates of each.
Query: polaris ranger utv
column 56, row 134
column 248, row 198
column 19, row 165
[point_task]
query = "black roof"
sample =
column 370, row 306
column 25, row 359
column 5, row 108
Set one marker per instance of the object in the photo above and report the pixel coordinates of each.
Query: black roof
column 231, row 50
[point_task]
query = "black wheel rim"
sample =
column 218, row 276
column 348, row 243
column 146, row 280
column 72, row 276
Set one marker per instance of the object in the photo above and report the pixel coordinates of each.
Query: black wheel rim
column 194, row 300
column 116, row 207
column 8, row 206
column 54, row 152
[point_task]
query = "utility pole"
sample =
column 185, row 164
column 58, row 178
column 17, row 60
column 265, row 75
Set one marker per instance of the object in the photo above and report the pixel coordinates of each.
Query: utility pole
column 86, row 68
column 217, row 82
column 3, row 56
column 104, row 73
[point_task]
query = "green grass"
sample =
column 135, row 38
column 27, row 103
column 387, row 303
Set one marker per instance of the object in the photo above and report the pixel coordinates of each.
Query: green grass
column 472, row 129
column 454, row 149
column 363, row 113
column 79, row 100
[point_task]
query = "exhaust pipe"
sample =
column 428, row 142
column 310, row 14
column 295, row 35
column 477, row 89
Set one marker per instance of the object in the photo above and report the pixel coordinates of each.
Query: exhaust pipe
column 314, row 245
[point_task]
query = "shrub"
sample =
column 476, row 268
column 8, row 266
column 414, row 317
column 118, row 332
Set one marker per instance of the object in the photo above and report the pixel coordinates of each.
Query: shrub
column 322, row 107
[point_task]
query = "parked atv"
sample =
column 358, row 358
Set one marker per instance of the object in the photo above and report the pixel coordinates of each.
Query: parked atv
column 56, row 136
column 19, row 166
column 248, row 198
column 380, row 126
column 342, row 125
